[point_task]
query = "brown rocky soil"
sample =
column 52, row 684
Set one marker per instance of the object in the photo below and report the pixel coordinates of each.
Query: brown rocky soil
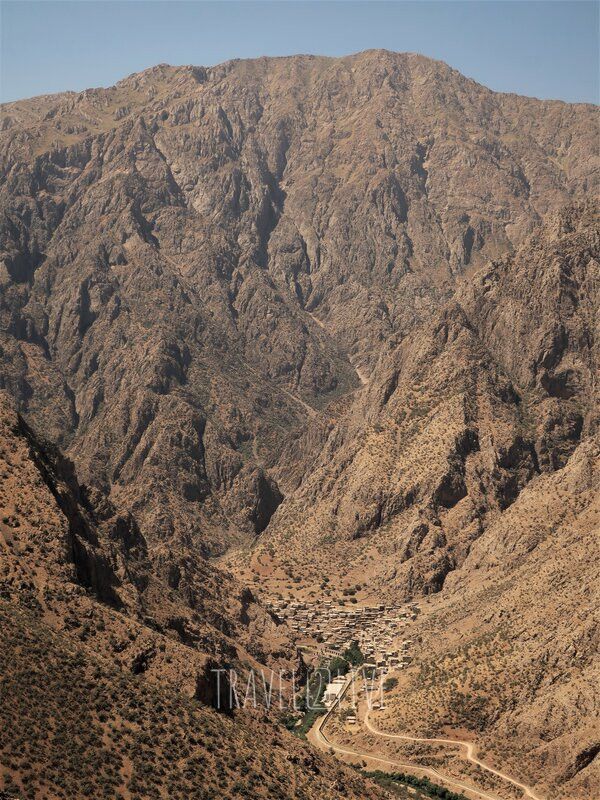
column 334, row 322
column 105, row 670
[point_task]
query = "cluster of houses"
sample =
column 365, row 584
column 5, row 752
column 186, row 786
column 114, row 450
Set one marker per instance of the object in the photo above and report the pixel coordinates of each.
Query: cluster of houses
column 378, row 629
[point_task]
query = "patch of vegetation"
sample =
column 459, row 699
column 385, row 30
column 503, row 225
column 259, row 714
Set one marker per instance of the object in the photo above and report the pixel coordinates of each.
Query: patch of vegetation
column 353, row 655
column 423, row 785
column 310, row 701
column 338, row 666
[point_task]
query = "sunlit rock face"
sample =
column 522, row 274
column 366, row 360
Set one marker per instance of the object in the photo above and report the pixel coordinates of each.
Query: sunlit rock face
column 201, row 267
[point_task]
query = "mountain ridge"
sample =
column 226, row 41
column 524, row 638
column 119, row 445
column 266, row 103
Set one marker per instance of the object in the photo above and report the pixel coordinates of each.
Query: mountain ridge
column 151, row 70
column 321, row 324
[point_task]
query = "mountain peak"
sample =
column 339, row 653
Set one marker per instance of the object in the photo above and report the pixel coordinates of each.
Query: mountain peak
column 317, row 333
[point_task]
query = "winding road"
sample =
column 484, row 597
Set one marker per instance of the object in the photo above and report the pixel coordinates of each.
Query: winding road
column 470, row 750
column 317, row 736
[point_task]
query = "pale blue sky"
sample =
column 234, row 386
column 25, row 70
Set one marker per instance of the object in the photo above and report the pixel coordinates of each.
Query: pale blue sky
column 547, row 49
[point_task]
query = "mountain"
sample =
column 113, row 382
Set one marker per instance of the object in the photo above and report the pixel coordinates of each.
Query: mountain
column 199, row 262
column 497, row 388
column 65, row 542
column 105, row 672
column 468, row 471
column 508, row 651
column 324, row 328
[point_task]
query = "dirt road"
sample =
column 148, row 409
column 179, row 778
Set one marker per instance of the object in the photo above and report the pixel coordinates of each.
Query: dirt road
column 319, row 738
column 470, row 754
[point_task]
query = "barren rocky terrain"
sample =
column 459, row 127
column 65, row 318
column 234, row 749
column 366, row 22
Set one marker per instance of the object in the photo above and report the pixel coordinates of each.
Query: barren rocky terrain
column 105, row 672
column 508, row 652
column 197, row 261
column 308, row 325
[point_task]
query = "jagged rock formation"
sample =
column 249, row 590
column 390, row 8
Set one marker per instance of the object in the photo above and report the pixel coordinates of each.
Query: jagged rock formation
column 105, row 671
column 500, row 386
column 347, row 306
column 196, row 262
column 69, row 555
column 471, row 465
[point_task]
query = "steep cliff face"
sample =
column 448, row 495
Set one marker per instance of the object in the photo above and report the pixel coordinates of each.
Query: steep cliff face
column 69, row 555
column 500, row 386
column 197, row 263
column 537, row 312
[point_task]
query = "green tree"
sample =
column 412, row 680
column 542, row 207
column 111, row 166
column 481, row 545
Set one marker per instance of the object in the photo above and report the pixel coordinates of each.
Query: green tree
column 354, row 655
column 338, row 666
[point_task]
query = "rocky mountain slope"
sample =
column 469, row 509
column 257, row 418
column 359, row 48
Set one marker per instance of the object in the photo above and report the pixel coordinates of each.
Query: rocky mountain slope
column 511, row 653
column 65, row 543
column 497, row 388
column 105, row 671
column 198, row 262
column 468, row 471
column 336, row 316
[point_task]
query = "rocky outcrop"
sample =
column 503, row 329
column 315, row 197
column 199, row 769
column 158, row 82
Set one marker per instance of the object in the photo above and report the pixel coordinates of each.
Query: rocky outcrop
column 201, row 266
column 213, row 687
column 459, row 418
column 79, row 545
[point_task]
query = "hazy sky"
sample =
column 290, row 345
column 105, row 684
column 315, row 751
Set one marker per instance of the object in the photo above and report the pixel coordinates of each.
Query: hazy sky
column 546, row 49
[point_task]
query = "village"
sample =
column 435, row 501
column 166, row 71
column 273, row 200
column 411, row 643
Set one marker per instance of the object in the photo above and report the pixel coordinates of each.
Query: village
column 380, row 631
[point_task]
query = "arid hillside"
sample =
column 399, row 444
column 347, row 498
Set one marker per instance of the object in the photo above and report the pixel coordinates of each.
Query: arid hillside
column 508, row 652
column 105, row 672
column 199, row 262
column 499, row 387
